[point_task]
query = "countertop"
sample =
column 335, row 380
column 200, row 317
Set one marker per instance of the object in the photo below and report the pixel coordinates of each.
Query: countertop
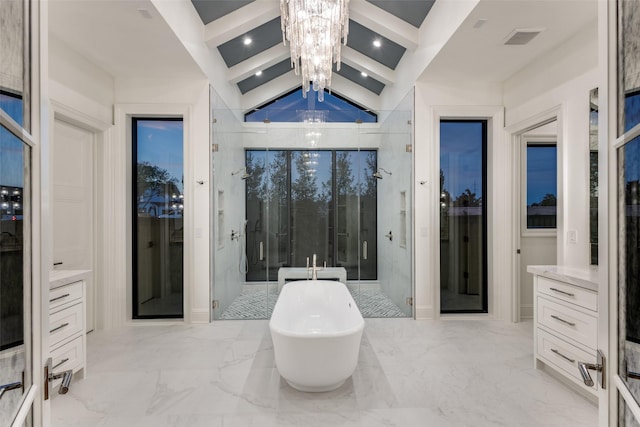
column 584, row 277
column 59, row 278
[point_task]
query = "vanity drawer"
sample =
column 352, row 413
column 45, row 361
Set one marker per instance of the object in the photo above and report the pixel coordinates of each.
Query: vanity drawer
column 65, row 294
column 69, row 355
column 65, row 323
column 571, row 323
column 563, row 355
column 565, row 292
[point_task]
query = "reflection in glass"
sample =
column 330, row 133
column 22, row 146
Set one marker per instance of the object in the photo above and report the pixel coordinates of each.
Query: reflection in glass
column 628, row 68
column 301, row 202
column 593, row 175
column 629, row 271
column 463, row 283
column 542, row 185
column 14, row 79
column 158, row 219
column 15, row 347
column 625, row 416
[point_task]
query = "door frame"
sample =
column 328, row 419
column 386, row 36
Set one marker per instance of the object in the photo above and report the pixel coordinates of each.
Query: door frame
column 516, row 138
column 521, row 173
column 100, row 261
column 497, row 236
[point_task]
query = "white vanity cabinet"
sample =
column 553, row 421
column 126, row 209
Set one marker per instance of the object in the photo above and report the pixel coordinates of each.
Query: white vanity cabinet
column 67, row 324
column 565, row 329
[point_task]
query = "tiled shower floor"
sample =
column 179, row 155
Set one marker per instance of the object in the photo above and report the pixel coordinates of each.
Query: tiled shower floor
column 257, row 303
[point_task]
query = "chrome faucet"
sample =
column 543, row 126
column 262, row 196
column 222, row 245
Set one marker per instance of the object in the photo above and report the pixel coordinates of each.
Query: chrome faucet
column 314, row 269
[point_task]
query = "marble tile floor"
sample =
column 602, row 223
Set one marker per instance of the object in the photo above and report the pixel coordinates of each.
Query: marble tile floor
column 447, row 373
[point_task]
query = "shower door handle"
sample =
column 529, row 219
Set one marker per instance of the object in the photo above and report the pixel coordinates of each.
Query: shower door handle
column 364, row 249
column 261, row 251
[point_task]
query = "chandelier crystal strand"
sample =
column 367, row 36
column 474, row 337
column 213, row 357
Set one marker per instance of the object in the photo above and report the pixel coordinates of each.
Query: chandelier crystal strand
column 315, row 30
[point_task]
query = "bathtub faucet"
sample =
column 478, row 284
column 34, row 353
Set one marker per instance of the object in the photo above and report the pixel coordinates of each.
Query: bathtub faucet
column 314, row 269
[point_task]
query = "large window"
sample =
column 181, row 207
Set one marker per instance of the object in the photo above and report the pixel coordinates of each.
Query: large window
column 302, row 202
column 158, row 217
column 292, row 107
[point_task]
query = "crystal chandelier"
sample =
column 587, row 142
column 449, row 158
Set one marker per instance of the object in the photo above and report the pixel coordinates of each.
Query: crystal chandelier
column 315, row 30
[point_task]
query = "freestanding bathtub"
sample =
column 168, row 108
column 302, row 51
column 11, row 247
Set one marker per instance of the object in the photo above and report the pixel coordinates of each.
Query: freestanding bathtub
column 316, row 329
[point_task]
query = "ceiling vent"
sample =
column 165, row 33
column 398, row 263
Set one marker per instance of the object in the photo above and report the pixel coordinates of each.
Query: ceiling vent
column 522, row 36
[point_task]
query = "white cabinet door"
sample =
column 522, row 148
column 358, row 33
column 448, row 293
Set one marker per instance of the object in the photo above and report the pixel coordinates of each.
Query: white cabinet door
column 73, row 203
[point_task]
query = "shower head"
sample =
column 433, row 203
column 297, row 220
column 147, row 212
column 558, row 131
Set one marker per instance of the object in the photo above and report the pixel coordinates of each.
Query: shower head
column 378, row 175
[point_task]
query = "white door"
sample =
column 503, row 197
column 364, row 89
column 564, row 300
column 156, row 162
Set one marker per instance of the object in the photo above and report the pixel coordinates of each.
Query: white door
column 73, row 204
column 538, row 179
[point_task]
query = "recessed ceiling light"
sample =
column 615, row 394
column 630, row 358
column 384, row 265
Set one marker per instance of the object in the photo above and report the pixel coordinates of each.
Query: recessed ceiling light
column 258, row 73
column 247, row 41
column 363, row 74
column 377, row 43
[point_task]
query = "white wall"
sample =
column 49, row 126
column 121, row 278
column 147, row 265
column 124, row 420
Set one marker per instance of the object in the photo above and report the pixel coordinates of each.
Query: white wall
column 563, row 79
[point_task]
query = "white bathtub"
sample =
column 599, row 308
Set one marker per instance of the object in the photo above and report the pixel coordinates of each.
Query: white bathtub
column 316, row 329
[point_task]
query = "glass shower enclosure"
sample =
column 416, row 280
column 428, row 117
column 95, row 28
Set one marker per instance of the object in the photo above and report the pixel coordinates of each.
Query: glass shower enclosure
column 283, row 192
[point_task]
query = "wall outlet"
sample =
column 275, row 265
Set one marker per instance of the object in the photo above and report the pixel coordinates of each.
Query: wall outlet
column 572, row 237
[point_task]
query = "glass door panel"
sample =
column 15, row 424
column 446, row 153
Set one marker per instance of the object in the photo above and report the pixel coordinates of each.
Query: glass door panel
column 629, row 272
column 15, row 285
column 158, row 218
column 311, row 211
column 463, row 284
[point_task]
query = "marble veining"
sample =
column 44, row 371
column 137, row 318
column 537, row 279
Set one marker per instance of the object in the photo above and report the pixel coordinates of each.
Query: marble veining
column 410, row 373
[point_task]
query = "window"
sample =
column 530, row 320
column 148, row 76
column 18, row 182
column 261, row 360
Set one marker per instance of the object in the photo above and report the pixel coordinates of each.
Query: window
column 463, row 216
column 158, row 217
column 542, row 187
column 292, row 107
column 301, row 202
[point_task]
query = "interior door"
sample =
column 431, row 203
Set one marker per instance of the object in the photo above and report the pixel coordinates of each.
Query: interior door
column 539, row 189
column 73, row 204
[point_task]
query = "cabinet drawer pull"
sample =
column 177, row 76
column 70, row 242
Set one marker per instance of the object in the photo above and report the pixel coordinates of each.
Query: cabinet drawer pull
column 569, row 294
column 60, row 297
column 563, row 356
column 62, row 362
column 566, row 322
column 58, row 328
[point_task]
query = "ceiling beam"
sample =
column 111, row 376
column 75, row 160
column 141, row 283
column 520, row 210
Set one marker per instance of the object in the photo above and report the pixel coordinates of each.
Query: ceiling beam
column 240, row 21
column 258, row 62
column 372, row 67
column 384, row 23
column 270, row 90
column 355, row 92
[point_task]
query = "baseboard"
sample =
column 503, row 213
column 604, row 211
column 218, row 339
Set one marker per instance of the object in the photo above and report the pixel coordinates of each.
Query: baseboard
column 526, row 311
column 200, row 316
column 424, row 312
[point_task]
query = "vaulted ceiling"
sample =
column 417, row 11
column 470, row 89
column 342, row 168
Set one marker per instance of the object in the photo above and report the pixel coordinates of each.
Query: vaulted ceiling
column 426, row 40
column 248, row 37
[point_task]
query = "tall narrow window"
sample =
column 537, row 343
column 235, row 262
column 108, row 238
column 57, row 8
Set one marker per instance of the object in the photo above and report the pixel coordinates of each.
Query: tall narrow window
column 158, row 217
column 463, row 216
column 542, row 185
